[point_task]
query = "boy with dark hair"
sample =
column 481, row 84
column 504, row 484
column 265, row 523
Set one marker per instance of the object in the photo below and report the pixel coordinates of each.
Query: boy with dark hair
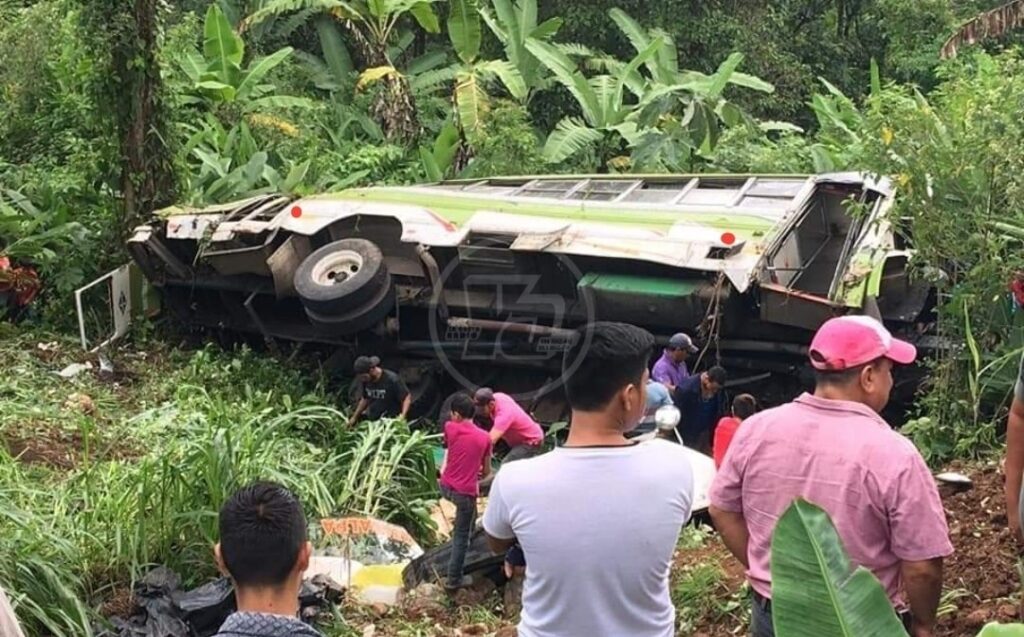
column 467, row 457
column 569, row 509
column 264, row 550
column 743, row 406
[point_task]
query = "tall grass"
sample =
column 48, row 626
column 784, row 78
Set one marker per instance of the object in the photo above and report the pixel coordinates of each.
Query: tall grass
column 212, row 425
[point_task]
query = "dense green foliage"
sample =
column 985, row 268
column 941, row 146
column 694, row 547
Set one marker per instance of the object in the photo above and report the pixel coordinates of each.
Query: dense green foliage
column 109, row 109
column 224, row 99
column 115, row 477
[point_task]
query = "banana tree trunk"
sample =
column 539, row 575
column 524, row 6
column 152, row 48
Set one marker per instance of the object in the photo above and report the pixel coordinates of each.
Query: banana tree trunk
column 393, row 106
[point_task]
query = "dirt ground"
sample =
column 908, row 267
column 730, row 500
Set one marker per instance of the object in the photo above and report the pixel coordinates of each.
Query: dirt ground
column 982, row 583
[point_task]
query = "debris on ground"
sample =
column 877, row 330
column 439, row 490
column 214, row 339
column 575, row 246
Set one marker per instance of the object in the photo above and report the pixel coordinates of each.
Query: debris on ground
column 80, row 402
column 74, row 369
column 162, row 609
column 370, row 554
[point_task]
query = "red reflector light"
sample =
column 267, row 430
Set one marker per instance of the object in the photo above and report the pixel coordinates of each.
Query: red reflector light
column 728, row 238
column 296, row 212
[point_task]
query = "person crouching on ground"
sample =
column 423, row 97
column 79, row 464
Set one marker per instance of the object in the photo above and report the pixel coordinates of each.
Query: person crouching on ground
column 834, row 450
column 264, row 550
column 598, row 518
column 382, row 394
column 467, row 458
column 743, row 406
column 511, row 423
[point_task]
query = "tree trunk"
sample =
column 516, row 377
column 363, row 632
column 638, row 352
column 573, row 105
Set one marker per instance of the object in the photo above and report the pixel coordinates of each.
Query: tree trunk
column 146, row 178
column 125, row 38
column 393, row 106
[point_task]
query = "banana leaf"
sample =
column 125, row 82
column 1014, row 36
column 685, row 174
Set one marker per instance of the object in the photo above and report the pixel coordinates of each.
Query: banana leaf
column 1002, row 630
column 816, row 590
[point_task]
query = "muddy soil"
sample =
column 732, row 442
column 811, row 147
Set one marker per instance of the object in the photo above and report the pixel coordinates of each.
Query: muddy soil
column 981, row 579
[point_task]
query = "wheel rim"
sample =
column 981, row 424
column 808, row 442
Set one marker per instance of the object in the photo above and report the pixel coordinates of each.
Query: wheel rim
column 337, row 267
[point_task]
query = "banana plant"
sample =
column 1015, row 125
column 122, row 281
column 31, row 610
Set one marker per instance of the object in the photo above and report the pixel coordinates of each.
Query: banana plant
column 218, row 76
column 682, row 112
column 607, row 116
column 815, row 589
column 514, row 24
column 373, row 28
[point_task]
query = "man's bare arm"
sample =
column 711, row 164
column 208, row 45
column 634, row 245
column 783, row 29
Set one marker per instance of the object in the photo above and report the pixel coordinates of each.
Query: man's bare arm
column 485, row 465
column 360, row 408
column 733, row 529
column 1014, row 465
column 405, row 405
column 495, row 435
column 923, row 582
column 498, row 545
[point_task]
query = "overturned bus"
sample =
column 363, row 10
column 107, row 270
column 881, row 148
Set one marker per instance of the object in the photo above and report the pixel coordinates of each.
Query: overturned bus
column 482, row 281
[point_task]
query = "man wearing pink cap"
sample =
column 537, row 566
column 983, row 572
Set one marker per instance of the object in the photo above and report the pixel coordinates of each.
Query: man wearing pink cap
column 832, row 448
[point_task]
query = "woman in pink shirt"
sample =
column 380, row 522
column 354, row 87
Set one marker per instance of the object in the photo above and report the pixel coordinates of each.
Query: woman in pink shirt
column 467, row 457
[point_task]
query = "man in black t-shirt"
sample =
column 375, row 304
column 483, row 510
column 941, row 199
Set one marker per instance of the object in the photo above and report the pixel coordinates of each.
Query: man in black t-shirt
column 382, row 394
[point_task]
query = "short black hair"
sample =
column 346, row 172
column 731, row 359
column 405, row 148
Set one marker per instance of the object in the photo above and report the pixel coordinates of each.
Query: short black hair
column 842, row 377
column 262, row 530
column 717, row 375
column 463, row 405
column 604, row 358
column 744, row 406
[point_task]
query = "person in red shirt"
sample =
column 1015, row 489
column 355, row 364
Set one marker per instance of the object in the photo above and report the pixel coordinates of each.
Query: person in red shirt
column 743, row 406
column 467, row 457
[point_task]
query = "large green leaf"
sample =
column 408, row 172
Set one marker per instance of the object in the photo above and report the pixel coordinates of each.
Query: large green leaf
column 332, row 43
column 432, row 80
column 508, row 74
column 816, row 590
column 220, row 42
column 193, row 65
column 1001, row 630
column 425, row 16
column 446, row 145
column 277, row 8
column 527, row 15
column 259, row 69
column 426, row 62
column 720, row 78
column 464, row 29
column 496, row 28
column 568, row 75
column 546, row 29
column 570, row 136
column 635, row 33
column 222, row 47
column 752, row 82
column 624, row 75
column 471, row 103
column 430, row 167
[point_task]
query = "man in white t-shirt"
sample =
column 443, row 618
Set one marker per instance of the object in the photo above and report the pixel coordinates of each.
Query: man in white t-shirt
column 598, row 518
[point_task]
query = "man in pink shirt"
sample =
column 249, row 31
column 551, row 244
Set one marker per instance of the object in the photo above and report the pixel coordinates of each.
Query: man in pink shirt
column 833, row 449
column 510, row 423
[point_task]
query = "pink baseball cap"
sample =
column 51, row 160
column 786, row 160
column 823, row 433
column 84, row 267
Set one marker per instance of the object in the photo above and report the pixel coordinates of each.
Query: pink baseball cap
column 851, row 341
